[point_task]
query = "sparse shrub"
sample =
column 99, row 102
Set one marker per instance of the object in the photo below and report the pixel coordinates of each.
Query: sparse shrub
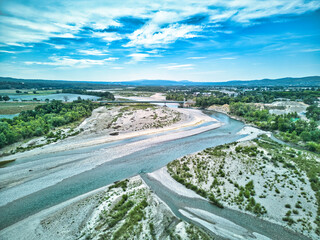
column 215, row 201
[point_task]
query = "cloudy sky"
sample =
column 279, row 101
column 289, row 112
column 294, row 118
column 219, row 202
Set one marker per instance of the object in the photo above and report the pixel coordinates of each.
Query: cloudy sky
column 109, row 40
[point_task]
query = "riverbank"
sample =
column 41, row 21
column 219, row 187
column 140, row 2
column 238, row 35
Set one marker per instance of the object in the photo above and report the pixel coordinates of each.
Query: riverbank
column 256, row 177
column 25, row 178
column 113, row 212
column 108, row 125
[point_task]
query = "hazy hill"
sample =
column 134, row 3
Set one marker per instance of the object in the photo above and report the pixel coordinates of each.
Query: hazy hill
column 6, row 82
column 304, row 81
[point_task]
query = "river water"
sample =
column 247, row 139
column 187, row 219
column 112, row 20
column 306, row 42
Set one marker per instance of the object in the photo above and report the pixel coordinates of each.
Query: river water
column 58, row 96
column 145, row 161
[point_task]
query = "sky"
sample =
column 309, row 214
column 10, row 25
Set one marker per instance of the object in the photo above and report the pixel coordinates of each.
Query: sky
column 207, row 41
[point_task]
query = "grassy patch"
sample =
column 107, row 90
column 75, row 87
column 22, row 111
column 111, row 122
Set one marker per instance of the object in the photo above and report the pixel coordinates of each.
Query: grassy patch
column 123, row 184
column 132, row 220
column 16, row 107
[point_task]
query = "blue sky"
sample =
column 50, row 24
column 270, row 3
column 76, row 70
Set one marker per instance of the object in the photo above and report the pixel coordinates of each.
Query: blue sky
column 175, row 40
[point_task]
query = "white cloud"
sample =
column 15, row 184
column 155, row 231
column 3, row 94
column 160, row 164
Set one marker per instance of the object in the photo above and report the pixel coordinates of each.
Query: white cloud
column 179, row 67
column 138, row 57
column 70, row 62
column 64, row 35
column 105, row 23
column 196, row 58
column 37, row 21
column 5, row 51
column 59, row 46
column 151, row 35
column 93, row 52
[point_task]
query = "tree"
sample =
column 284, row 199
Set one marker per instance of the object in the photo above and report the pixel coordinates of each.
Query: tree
column 305, row 136
column 6, row 98
column 313, row 112
column 66, row 98
column 3, row 140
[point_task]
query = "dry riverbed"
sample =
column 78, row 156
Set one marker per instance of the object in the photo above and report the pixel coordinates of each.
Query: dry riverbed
column 125, row 210
column 25, row 178
column 108, row 124
column 258, row 177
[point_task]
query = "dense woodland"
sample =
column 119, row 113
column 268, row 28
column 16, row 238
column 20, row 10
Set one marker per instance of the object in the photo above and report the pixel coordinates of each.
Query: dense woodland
column 42, row 119
column 313, row 112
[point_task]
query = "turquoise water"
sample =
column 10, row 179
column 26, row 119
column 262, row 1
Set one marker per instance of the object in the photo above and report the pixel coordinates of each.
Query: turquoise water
column 60, row 97
column 147, row 160
column 10, row 116
column 251, row 223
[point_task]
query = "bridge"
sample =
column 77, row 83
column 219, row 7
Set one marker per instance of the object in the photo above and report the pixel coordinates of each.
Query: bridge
column 182, row 103
column 129, row 101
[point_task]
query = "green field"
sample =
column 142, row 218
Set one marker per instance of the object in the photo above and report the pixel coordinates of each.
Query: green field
column 16, row 107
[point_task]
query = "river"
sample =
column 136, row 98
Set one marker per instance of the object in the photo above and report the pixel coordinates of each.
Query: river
column 144, row 161
column 69, row 97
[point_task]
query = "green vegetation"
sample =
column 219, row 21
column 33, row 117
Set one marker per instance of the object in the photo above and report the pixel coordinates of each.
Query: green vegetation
column 176, row 96
column 298, row 131
column 200, row 191
column 194, row 233
column 313, row 112
column 149, row 89
column 215, row 201
column 15, row 83
column 279, row 171
column 16, row 107
column 42, row 119
column 152, row 231
column 123, row 184
column 258, row 96
column 132, row 219
column 127, row 93
column 27, row 92
column 308, row 163
column 4, row 98
column 106, row 95
column 137, row 106
column 129, row 210
column 120, row 210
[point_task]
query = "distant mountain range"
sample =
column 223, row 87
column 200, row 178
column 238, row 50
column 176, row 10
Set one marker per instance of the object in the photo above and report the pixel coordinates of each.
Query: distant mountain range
column 294, row 82
column 285, row 82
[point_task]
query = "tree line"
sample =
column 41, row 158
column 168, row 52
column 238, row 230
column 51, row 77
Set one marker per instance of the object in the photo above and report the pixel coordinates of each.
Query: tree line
column 42, row 119
column 107, row 95
column 307, row 96
column 291, row 128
